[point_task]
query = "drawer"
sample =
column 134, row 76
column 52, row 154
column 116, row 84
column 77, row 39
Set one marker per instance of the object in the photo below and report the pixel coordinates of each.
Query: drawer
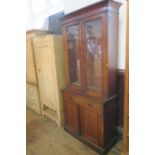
column 87, row 103
column 80, row 100
column 32, row 98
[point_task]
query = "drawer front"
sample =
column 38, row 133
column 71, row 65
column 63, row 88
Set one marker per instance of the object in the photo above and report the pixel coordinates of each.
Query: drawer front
column 32, row 98
column 80, row 100
column 90, row 104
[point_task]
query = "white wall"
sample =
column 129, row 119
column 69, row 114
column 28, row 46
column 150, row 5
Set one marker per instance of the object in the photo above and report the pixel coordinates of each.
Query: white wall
column 29, row 15
column 122, row 35
column 72, row 5
column 38, row 12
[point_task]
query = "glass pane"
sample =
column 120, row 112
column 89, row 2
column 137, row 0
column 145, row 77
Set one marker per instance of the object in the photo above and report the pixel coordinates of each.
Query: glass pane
column 93, row 35
column 73, row 52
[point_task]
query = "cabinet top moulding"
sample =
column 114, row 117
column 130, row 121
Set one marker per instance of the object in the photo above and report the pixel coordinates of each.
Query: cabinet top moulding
column 37, row 31
column 99, row 7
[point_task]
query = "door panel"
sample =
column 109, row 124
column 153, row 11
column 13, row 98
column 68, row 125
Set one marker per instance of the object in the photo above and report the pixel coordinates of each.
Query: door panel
column 71, row 116
column 89, row 124
column 46, row 72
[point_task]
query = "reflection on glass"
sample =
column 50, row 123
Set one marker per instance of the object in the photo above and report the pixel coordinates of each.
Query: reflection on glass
column 94, row 54
column 73, row 52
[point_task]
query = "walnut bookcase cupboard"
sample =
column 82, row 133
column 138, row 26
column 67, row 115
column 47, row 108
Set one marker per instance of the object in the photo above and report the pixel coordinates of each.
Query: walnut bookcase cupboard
column 49, row 71
column 91, row 55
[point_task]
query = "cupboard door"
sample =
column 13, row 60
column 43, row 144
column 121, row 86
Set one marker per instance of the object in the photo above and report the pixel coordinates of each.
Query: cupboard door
column 93, row 52
column 71, row 116
column 89, row 124
column 72, row 37
column 45, row 62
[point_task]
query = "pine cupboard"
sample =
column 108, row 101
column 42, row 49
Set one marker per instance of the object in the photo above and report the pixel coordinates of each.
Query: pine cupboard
column 91, row 55
column 45, row 74
column 32, row 92
column 49, row 60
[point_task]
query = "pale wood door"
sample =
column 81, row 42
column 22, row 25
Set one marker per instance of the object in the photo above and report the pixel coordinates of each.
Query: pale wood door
column 45, row 63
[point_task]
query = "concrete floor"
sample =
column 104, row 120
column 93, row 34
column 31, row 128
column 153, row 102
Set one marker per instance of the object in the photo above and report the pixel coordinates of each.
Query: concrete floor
column 45, row 138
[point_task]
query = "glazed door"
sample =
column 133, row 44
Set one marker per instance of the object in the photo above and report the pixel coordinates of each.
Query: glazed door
column 73, row 54
column 93, row 52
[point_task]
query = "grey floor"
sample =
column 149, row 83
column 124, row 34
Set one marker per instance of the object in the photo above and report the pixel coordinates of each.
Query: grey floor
column 45, row 138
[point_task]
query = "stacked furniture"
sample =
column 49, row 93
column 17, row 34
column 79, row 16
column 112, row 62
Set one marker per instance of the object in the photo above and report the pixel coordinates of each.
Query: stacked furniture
column 49, row 69
column 91, row 59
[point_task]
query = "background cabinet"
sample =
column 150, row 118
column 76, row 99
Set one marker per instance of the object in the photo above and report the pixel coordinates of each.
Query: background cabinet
column 91, row 59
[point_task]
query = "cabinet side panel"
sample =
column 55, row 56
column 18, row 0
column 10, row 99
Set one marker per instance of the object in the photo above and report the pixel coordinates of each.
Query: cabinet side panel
column 59, row 64
column 59, row 60
column 121, row 76
column 30, row 67
column 113, row 51
column 110, row 121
